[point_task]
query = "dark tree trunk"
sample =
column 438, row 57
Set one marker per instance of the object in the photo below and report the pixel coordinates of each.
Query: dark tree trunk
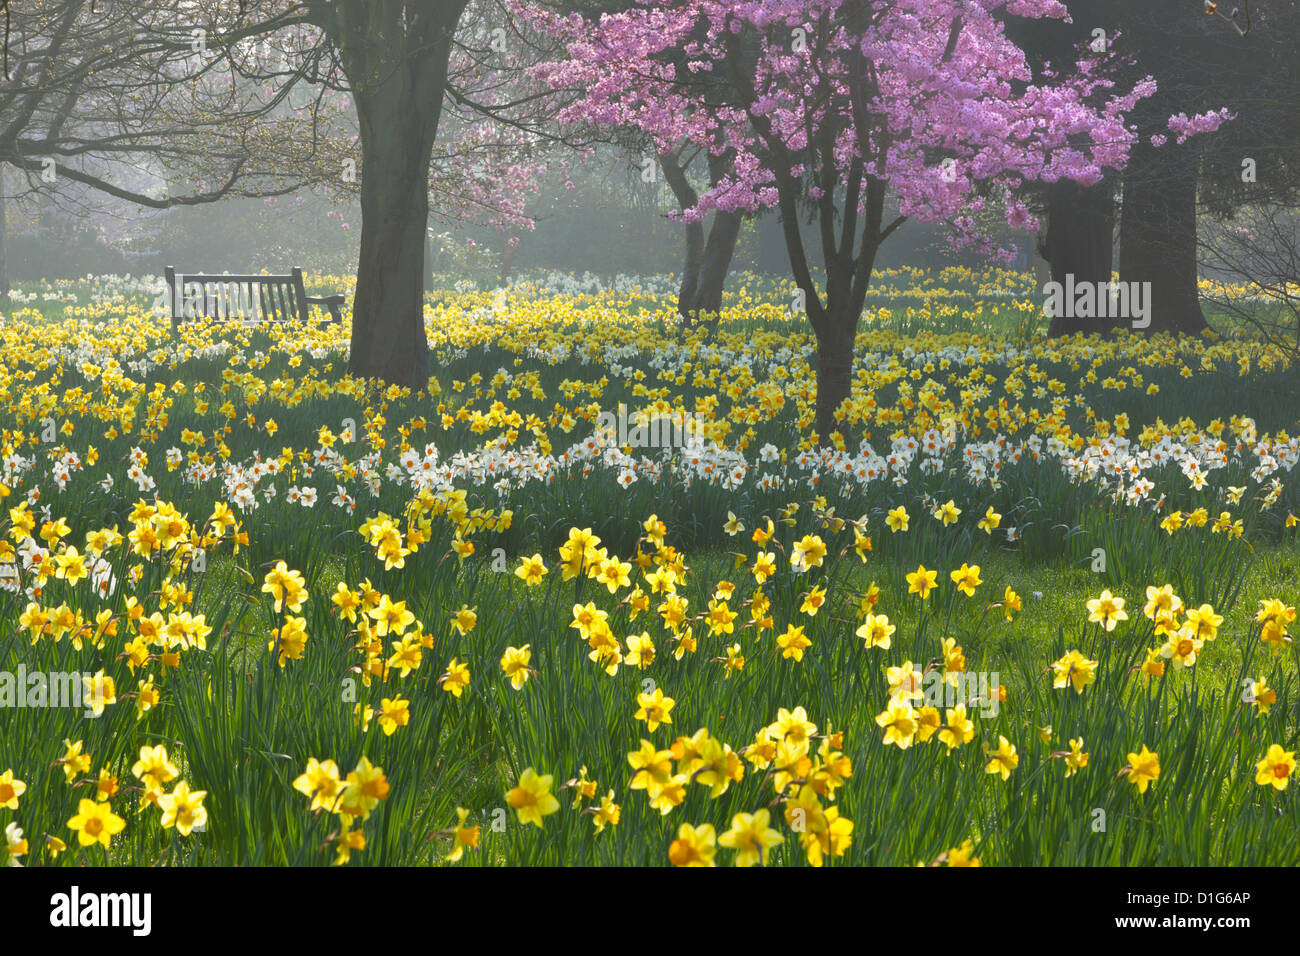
column 395, row 56
column 1080, row 243
column 704, row 272
column 4, row 252
column 1158, row 234
column 693, row 232
column 388, row 340
column 686, row 292
column 835, row 350
column 835, row 326
column 723, row 235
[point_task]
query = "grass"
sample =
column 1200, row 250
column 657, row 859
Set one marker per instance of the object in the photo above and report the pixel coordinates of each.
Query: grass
column 242, row 725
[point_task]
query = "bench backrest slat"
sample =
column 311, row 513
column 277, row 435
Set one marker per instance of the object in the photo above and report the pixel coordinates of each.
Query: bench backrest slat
column 264, row 297
column 271, row 303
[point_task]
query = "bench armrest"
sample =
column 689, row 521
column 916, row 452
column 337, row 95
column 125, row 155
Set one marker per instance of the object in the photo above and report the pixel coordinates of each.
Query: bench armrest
column 332, row 302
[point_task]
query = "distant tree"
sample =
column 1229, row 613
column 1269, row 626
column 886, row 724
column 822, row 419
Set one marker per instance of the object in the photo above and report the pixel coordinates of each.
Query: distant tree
column 129, row 103
column 1175, row 42
column 1256, row 260
column 1077, row 234
column 687, row 165
column 1204, row 72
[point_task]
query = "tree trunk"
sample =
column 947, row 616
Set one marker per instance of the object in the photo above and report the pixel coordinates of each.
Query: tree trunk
column 1158, row 235
column 4, row 252
column 834, row 371
column 704, row 273
column 718, row 251
column 1080, row 243
column 388, row 339
column 686, row 292
column 395, row 56
column 723, row 236
column 693, row 232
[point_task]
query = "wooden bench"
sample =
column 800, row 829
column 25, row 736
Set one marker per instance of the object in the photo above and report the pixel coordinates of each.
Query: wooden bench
column 254, row 298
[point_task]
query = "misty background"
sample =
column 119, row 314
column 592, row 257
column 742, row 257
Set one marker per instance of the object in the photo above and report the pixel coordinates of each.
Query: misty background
column 611, row 221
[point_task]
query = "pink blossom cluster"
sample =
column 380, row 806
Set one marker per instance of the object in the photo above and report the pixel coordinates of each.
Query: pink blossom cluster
column 928, row 96
column 1185, row 128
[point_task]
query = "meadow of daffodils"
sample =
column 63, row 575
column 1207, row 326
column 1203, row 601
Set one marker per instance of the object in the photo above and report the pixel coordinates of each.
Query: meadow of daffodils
column 1032, row 605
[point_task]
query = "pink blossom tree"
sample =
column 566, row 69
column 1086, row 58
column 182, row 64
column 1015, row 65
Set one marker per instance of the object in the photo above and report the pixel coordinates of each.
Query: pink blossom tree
column 833, row 104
